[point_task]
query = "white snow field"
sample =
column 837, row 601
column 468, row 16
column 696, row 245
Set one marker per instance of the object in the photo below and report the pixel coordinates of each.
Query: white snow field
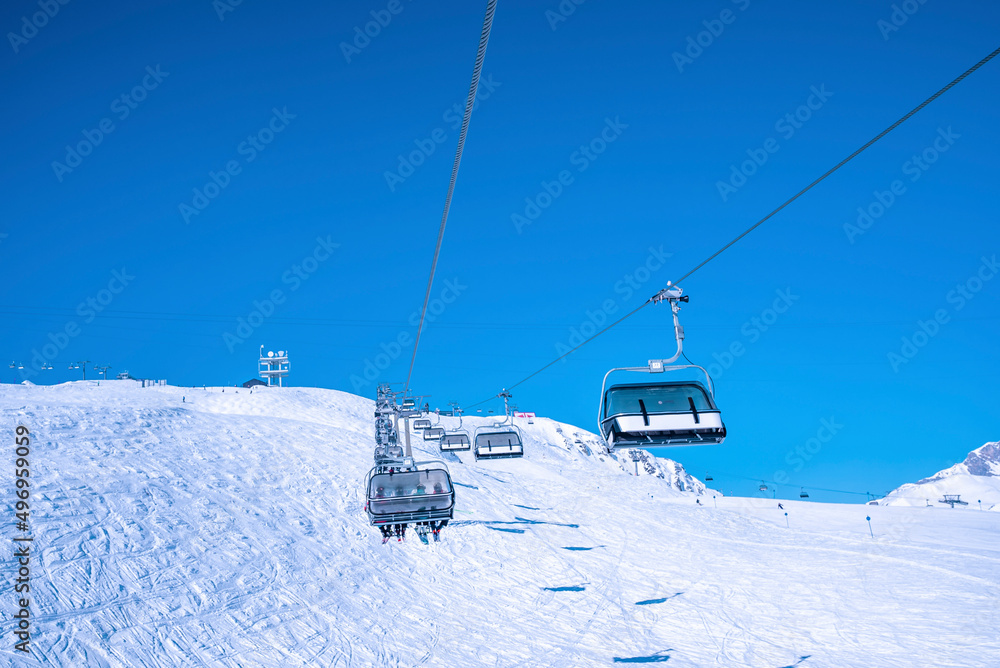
column 228, row 529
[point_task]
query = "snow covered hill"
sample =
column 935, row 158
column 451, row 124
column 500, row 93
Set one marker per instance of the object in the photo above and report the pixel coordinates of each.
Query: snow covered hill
column 193, row 527
column 976, row 480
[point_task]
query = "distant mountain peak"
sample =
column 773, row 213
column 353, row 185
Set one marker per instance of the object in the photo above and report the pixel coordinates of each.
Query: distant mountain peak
column 984, row 461
column 977, row 479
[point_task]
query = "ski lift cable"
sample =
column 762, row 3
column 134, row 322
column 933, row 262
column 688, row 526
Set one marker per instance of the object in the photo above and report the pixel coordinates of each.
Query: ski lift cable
column 786, row 484
column 763, row 220
column 470, row 101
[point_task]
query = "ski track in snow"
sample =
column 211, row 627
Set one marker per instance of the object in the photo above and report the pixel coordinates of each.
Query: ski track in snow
column 228, row 530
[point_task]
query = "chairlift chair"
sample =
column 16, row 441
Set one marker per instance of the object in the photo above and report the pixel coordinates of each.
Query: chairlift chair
column 422, row 494
column 389, row 456
column 664, row 413
column 433, row 433
column 421, row 424
column 498, row 442
column 762, row 487
column 708, row 478
column 803, row 494
column 457, row 440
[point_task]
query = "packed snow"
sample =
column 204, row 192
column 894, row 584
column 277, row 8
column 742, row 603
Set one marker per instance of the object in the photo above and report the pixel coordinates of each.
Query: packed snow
column 201, row 527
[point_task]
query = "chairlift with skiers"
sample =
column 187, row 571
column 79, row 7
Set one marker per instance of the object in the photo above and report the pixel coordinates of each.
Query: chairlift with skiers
column 419, row 493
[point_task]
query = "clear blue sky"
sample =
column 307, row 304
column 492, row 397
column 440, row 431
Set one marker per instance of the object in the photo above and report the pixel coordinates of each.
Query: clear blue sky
column 197, row 86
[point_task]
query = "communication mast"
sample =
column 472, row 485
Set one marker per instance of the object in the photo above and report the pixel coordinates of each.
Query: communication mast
column 273, row 366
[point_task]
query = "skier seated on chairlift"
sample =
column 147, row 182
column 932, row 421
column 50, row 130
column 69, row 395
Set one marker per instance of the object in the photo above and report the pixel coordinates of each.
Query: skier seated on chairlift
column 420, row 489
column 438, row 489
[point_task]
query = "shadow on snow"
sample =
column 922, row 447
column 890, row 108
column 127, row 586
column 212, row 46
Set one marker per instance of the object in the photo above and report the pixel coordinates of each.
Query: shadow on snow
column 654, row 601
column 659, row 657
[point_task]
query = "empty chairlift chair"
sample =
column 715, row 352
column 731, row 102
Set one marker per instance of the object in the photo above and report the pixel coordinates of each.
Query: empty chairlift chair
column 660, row 414
column 433, row 434
column 455, row 442
column 420, row 425
column 663, row 413
column 406, row 497
column 498, row 442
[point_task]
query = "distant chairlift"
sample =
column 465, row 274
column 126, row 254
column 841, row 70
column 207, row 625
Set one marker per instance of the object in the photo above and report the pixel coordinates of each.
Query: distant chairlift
column 762, row 487
column 708, row 478
column 434, row 432
column 665, row 413
column 953, row 500
column 499, row 441
column 388, row 456
column 803, row 494
column 458, row 440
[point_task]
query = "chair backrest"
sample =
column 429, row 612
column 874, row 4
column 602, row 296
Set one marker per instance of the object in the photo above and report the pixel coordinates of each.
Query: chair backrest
column 497, row 439
column 657, row 398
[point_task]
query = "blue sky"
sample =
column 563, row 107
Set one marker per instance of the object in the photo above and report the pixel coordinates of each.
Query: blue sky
column 216, row 156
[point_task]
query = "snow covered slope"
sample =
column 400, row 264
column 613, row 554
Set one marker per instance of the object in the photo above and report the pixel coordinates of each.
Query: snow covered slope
column 190, row 527
column 977, row 480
